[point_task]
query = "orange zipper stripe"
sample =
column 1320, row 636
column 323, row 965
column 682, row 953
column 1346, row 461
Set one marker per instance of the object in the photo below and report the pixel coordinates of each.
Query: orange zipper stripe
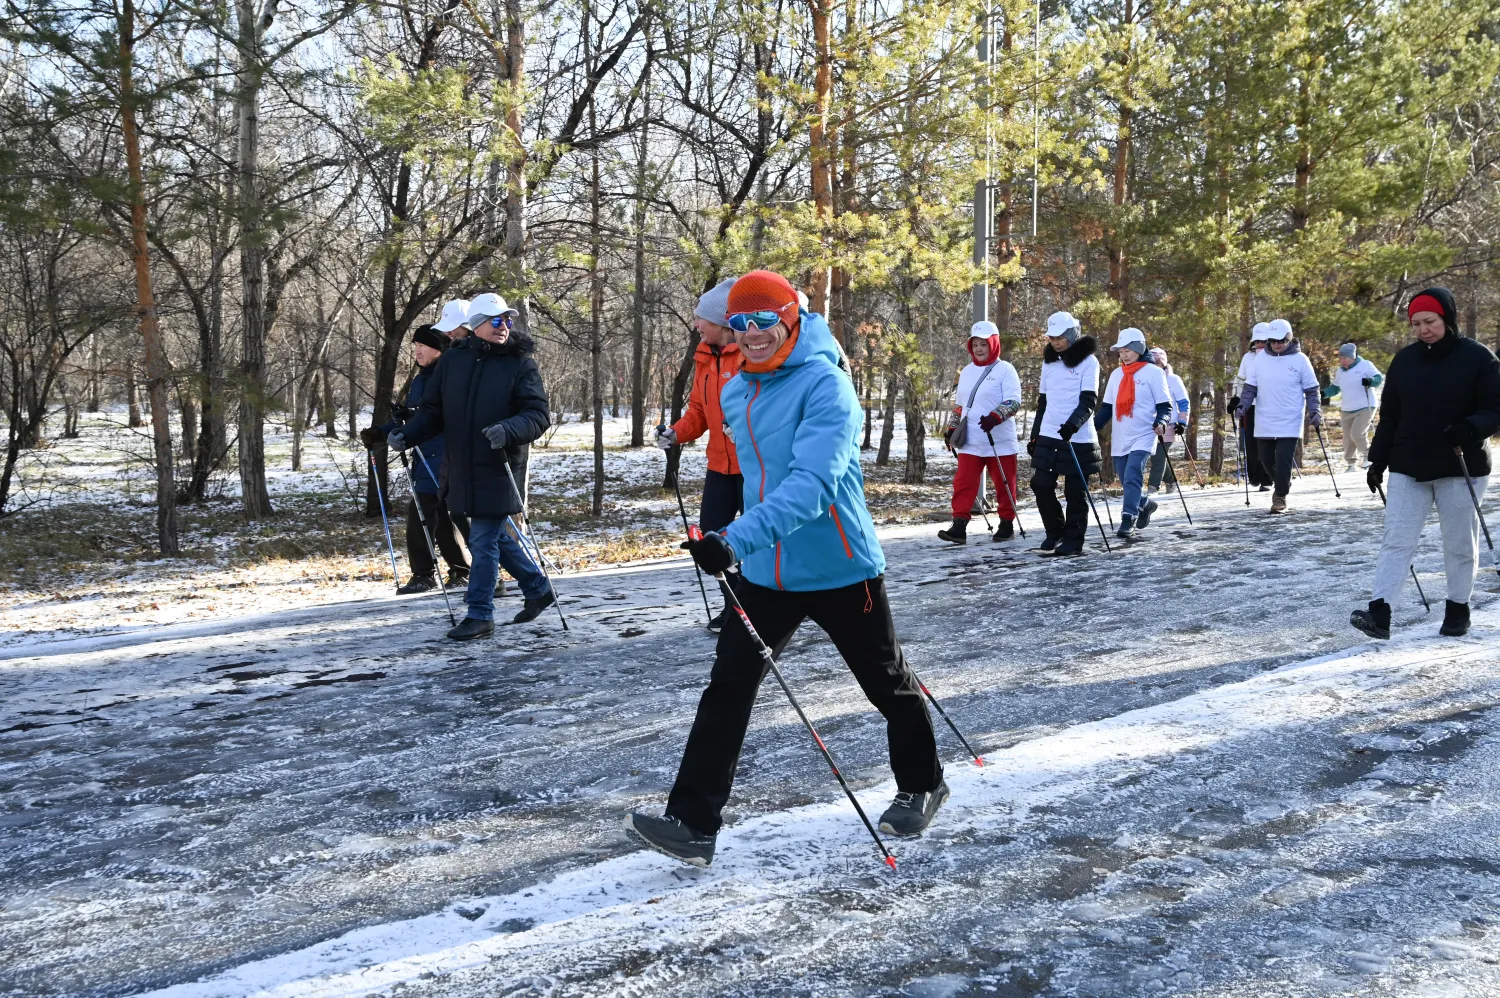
column 778, row 567
column 834, row 509
column 750, row 428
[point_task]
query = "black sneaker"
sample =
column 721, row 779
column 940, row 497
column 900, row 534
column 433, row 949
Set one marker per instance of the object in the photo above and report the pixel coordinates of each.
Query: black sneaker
column 418, row 584
column 458, row 578
column 470, row 628
column 956, row 534
column 1049, row 545
column 1005, row 531
column 1144, row 516
column 716, row 624
column 672, row 838
column 1455, row 620
column 532, row 608
column 1376, row 621
column 909, row 814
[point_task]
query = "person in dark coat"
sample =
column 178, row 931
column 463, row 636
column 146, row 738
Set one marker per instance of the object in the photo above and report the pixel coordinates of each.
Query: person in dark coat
column 1067, row 395
column 1442, row 398
column 488, row 401
column 427, row 346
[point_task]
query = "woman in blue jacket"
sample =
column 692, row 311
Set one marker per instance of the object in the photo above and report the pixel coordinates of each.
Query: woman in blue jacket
column 808, row 549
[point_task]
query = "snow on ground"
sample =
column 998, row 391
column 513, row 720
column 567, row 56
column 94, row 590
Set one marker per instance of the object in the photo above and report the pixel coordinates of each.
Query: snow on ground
column 1201, row 782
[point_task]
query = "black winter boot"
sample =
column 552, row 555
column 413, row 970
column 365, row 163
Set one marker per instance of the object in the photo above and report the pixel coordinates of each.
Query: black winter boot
column 1144, row 516
column 909, row 814
column 418, row 584
column 671, row 837
column 956, row 534
column 1005, row 531
column 1049, row 545
column 1127, row 528
column 470, row 628
column 1376, row 621
column 532, row 608
column 1455, row 620
column 1066, row 549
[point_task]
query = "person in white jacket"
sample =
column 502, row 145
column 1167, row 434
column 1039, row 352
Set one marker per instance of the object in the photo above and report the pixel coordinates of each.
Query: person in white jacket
column 1354, row 381
column 1181, row 419
column 1284, row 390
column 1137, row 405
column 1064, row 443
column 1258, row 473
column 982, row 433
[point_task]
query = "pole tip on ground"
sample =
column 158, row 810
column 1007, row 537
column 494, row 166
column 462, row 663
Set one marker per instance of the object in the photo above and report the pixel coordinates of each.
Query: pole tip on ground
column 890, row 861
column 978, row 761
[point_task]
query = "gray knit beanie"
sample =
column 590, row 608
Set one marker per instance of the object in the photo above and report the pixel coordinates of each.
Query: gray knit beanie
column 713, row 304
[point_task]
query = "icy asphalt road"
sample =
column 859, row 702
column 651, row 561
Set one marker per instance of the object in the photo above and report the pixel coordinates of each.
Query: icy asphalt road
column 1201, row 784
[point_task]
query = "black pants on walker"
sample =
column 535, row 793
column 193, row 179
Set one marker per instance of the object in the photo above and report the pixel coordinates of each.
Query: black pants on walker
column 858, row 620
column 1278, row 454
column 444, row 533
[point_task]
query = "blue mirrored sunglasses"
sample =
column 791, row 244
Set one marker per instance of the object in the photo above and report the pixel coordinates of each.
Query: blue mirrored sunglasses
column 741, row 322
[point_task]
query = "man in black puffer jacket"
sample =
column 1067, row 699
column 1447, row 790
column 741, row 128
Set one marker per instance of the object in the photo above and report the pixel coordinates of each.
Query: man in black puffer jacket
column 488, row 401
column 1442, row 396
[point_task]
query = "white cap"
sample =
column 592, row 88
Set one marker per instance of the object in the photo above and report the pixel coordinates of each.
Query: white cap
column 487, row 306
column 983, row 330
column 801, row 300
column 1259, row 331
column 1063, row 324
column 1278, row 329
column 454, row 314
column 1130, row 337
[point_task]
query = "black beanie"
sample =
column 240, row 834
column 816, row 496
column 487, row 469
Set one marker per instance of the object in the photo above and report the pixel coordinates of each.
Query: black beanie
column 429, row 336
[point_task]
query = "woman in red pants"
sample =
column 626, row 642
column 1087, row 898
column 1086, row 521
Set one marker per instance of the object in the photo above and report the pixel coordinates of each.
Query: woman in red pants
column 982, row 433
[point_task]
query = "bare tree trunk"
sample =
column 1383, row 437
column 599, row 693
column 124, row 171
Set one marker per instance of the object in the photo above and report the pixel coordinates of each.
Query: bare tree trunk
column 888, row 419
column 638, row 319
column 157, row 366
column 132, row 397
column 255, row 500
column 189, row 426
column 916, row 437
column 294, row 412
column 821, row 147
column 353, row 377
column 515, row 170
column 330, row 414
column 596, row 293
column 94, row 373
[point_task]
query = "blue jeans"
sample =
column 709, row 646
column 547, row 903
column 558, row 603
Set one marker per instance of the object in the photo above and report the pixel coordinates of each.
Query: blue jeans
column 490, row 546
column 1131, row 471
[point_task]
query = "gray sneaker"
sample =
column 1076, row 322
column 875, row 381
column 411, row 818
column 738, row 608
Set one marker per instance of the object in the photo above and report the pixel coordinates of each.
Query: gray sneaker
column 672, row 838
column 909, row 814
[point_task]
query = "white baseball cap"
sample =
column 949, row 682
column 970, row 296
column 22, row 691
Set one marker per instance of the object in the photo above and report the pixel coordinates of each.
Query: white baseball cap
column 1063, row 324
column 1259, row 331
column 1278, row 329
column 454, row 314
column 983, row 330
column 1130, row 337
column 487, row 306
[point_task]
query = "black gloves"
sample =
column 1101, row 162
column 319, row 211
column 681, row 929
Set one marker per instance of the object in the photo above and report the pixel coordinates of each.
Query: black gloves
column 1031, row 447
column 1461, row 434
column 1367, row 382
column 370, row 436
column 1182, row 429
column 1067, row 430
column 712, row 553
column 1374, row 477
column 1231, row 406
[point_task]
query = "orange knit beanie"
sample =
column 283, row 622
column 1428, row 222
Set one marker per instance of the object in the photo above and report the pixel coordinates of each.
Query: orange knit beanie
column 765, row 290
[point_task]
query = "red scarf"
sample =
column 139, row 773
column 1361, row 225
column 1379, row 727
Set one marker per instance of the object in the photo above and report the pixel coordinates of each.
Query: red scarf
column 1125, row 397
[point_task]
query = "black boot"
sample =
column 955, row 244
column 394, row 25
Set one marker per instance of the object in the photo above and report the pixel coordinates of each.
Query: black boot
column 1127, row 528
column 909, row 814
column 1455, row 620
column 533, row 607
column 1067, row 549
column 1144, row 516
column 671, row 837
column 1005, row 531
column 469, row 628
column 1376, row 621
column 956, row 534
column 418, row 584
column 1047, row 546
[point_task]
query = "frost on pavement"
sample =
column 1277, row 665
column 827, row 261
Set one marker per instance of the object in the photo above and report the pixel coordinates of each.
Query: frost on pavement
column 1200, row 783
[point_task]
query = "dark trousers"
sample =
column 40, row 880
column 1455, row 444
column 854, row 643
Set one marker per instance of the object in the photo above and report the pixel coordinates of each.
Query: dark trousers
column 1071, row 525
column 444, row 533
column 858, row 620
column 1257, row 468
column 723, row 500
column 1278, row 453
column 1159, row 465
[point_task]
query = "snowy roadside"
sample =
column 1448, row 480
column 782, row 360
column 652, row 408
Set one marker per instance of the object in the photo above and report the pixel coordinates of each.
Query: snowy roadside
column 642, row 902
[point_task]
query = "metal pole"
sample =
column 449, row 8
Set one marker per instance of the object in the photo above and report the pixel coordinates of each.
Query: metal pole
column 380, row 498
column 1477, row 512
column 1010, row 489
column 523, row 535
column 1410, row 568
column 1328, row 464
column 1079, row 465
column 427, row 534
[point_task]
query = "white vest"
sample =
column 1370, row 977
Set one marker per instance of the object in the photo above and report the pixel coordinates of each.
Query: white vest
column 1062, row 385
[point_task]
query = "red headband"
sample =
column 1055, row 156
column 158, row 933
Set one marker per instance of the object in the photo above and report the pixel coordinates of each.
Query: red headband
column 1425, row 303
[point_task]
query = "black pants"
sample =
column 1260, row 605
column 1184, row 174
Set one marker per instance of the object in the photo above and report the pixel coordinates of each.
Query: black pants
column 858, row 619
column 1071, row 525
column 1278, row 453
column 723, row 500
column 444, row 533
column 1257, row 468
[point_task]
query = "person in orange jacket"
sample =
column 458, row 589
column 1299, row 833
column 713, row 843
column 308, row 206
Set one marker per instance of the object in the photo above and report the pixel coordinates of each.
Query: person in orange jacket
column 715, row 362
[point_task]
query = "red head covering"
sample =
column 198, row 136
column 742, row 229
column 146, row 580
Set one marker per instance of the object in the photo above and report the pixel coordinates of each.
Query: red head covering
column 1425, row 303
column 993, row 340
column 765, row 290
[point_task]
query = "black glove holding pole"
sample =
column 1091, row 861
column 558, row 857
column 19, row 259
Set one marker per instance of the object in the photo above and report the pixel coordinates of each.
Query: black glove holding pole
column 710, row 551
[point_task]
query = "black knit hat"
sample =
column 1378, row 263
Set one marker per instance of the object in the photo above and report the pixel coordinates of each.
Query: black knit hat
column 430, row 337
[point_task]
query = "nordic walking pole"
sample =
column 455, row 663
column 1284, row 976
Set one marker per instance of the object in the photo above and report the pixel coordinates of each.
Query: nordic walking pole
column 682, row 508
column 1239, row 445
column 695, row 533
column 1079, row 465
column 1331, row 476
column 1477, row 512
column 1411, row 568
column 380, row 498
column 522, row 535
column 978, row 759
column 1015, row 499
column 427, row 534
column 1173, row 472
